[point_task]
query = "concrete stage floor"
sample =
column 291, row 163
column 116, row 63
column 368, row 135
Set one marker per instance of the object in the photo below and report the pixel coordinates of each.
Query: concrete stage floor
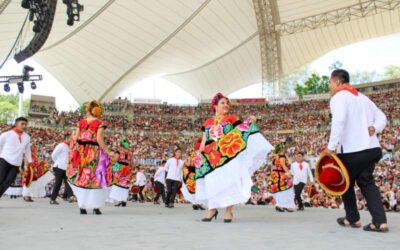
column 40, row 226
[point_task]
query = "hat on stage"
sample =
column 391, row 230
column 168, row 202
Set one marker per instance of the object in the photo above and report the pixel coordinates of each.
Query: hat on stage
column 332, row 175
column 28, row 177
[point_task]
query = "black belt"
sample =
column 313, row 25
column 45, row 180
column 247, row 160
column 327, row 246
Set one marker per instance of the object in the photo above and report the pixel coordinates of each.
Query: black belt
column 88, row 143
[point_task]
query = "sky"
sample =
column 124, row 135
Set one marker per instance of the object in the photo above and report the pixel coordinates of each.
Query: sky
column 369, row 55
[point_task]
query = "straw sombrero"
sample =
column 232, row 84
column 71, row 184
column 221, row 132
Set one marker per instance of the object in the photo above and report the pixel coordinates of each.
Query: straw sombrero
column 332, row 175
column 28, row 177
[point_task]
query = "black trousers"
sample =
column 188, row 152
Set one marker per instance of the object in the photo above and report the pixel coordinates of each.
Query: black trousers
column 60, row 176
column 160, row 191
column 140, row 193
column 361, row 167
column 8, row 173
column 172, row 188
column 297, row 194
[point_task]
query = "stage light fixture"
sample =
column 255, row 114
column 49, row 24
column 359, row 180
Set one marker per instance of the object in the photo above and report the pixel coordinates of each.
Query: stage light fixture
column 7, row 87
column 33, row 85
column 36, row 27
column 21, row 87
column 25, row 72
column 25, row 4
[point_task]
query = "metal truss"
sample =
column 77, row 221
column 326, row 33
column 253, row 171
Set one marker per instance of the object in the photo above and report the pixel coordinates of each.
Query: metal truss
column 267, row 18
column 346, row 14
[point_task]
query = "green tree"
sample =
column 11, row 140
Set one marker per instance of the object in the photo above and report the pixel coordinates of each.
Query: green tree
column 392, row 72
column 288, row 83
column 315, row 84
column 358, row 77
column 336, row 65
column 12, row 100
column 7, row 111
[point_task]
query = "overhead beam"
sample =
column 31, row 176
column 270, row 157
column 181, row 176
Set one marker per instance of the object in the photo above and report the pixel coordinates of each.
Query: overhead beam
column 157, row 48
column 334, row 17
column 80, row 27
column 267, row 16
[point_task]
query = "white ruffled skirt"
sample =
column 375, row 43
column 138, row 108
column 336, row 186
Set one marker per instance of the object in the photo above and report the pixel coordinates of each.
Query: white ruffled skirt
column 90, row 198
column 17, row 191
column 119, row 194
column 285, row 199
column 231, row 184
column 37, row 188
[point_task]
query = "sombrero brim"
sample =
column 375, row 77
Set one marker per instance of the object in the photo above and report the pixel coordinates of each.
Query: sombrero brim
column 28, row 177
column 331, row 189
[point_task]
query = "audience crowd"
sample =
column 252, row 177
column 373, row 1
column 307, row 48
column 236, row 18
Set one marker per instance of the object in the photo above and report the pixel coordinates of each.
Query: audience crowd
column 155, row 130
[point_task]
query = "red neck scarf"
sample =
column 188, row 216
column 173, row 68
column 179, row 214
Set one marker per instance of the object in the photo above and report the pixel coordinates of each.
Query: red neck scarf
column 348, row 88
column 19, row 133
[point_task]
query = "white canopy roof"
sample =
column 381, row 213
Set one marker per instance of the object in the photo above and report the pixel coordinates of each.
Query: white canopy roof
column 204, row 46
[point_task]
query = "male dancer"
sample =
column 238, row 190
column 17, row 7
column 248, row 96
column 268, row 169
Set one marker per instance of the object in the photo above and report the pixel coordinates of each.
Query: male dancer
column 301, row 174
column 60, row 159
column 141, row 183
column 159, row 181
column 173, row 167
column 356, row 122
column 14, row 144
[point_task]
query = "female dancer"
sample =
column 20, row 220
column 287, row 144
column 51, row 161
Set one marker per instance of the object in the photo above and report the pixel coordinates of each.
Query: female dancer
column 231, row 150
column 122, row 174
column 88, row 169
column 280, row 183
column 41, row 176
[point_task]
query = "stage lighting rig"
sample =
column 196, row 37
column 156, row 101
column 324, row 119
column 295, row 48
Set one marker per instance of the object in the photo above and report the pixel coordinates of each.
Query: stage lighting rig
column 41, row 13
column 19, row 80
column 37, row 9
column 74, row 9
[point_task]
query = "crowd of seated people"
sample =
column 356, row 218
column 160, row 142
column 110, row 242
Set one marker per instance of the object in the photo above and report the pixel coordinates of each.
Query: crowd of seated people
column 155, row 130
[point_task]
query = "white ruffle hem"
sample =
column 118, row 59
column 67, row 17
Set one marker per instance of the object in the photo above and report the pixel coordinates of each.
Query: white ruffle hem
column 90, row 198
column 231, row 184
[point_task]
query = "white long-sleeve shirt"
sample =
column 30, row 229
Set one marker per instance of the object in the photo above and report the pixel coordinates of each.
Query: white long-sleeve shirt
column 301, row 175
column 140, row 179
column 351, row 117
column 173, row 167
column 60, row 155
column 12, row 150
column 160, row 175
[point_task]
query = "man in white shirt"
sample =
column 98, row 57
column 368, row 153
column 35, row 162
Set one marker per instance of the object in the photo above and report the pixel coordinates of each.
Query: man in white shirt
column 356, row 122
column 14, row 144
column 301, row 174
column 159, row 182
column 141, row 183
column 60, row 157
column 173, row 167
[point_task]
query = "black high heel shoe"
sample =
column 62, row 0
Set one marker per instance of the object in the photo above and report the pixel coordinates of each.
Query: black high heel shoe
column 83, row 211
column 228, row 220
column 96, row 211
column 212, row 217
column 118, row 204
column 123, row 204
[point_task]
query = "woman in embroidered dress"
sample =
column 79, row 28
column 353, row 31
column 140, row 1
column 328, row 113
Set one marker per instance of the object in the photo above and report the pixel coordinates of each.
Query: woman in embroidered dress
column 122, row 174
column 231, row 151
column 280, row 183
column 88, row 172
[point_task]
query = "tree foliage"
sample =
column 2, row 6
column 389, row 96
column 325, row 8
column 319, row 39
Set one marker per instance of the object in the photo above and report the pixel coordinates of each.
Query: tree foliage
column 315, row 84
column 9, row 107
column 392, row 72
